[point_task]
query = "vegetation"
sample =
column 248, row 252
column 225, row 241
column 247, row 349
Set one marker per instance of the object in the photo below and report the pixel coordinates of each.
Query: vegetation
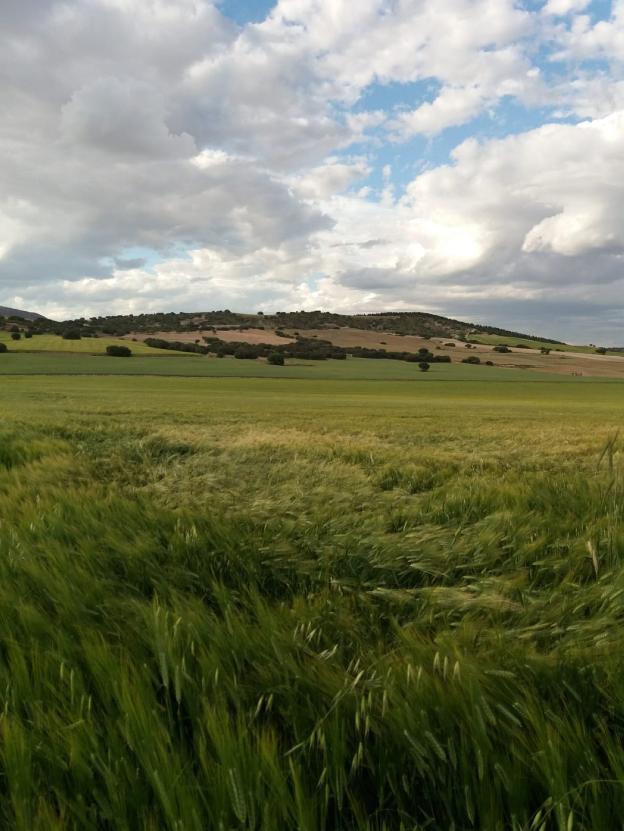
column 311, row 605
column 47, row 343
column 403, row 323
column 118, row 351
column 72, row 334
column 176, row 346
column 3, row 347
column 307, row 349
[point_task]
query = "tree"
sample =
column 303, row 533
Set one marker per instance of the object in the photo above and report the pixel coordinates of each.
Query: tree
column 275, row 359
column 15, row 335
column 71, row 334
column 423, row 366
column 116, row 351
column 3, row 347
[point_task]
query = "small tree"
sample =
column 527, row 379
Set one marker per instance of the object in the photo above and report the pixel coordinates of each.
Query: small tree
column 3, row 347
column 423, row 366
column 15, row 336
column 275, row 359
column 28, row 334
column 116, row 351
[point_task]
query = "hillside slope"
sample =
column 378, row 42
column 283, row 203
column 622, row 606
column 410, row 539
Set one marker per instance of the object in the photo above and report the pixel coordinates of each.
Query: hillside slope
column 421, row 324
column 7, row 311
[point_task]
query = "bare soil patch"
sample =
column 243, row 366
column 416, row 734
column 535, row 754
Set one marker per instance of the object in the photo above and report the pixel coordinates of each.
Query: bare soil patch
column 229, row 335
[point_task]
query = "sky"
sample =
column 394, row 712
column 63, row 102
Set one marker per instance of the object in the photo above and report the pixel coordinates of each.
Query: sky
column 460, row 157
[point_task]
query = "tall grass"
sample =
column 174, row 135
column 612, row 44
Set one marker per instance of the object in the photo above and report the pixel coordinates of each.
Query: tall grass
column 273, row 622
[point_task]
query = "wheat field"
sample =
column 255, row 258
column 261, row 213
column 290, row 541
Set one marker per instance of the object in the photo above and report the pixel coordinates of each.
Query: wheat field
column 231, row 603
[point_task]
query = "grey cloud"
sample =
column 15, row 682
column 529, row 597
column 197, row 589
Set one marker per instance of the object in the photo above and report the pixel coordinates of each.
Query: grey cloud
column 124, row 264
column 123, row 117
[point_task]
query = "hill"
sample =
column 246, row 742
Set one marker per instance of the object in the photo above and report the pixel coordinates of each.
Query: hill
column 421, row 324
column 7, row 311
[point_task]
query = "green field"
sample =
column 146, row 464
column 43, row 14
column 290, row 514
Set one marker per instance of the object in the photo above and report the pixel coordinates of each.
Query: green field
column 83, row 346
column 209, row 367
column 201, row 366
column 309, row 602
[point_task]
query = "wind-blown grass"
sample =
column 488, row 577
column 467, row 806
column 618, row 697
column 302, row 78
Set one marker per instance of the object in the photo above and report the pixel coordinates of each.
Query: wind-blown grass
column 249, row 605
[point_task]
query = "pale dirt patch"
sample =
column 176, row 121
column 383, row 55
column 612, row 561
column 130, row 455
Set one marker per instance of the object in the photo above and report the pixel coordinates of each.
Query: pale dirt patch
column 347, row 337
column 228, row 335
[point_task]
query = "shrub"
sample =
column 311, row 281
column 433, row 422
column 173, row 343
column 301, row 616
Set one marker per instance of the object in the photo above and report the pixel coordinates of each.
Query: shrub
column 275, row 359
column 15, row 336
column 601, row 350
column 489, row 363
column 116, row 351
column 246, row 352
column 28, row 334
column 473, row 359
column 501, row 348
column 3, row 347
column 71, row 334
column 423, row 366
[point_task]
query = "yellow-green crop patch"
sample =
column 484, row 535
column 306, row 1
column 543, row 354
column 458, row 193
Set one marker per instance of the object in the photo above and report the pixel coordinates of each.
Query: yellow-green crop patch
column 84, row 346
column 312, row 602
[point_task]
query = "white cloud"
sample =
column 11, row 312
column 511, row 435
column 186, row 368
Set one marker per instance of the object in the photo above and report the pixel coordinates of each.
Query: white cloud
column 563, row 7
column 149, row 124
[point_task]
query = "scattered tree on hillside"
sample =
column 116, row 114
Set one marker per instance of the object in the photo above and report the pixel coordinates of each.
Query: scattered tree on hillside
column 72, row 334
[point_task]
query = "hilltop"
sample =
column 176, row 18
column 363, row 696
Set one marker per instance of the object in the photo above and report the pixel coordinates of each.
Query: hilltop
column 8, row 312
column 421, row 324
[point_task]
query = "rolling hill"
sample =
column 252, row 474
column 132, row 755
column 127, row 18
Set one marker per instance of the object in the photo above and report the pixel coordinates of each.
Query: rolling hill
column 7, row 311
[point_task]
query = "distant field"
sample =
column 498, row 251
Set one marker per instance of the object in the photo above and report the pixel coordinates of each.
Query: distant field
column 92, row 346
column 206, row 367
column 534, row 344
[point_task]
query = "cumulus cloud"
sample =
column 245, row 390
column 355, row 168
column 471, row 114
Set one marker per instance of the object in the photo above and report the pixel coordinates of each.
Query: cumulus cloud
column 244, row 159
